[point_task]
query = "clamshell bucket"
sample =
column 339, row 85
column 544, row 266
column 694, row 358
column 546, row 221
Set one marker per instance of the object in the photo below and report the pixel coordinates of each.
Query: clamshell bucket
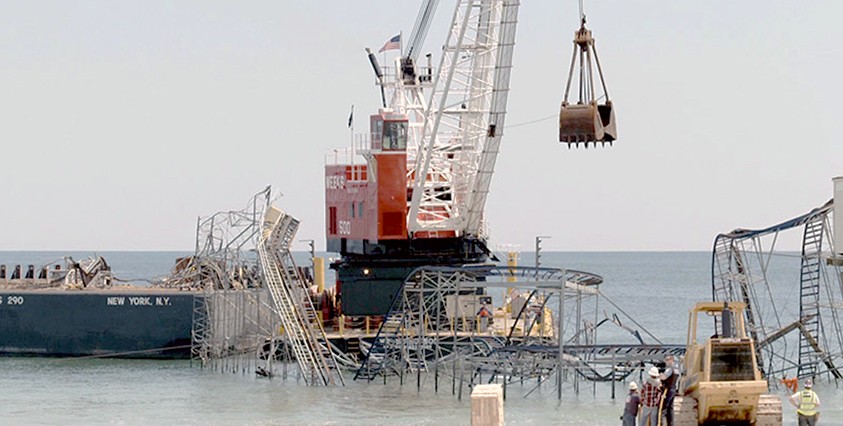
column 584, row 123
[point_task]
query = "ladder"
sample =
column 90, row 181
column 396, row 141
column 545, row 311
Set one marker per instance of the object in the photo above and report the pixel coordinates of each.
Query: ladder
column 722, row 273
column 809, row 296
column 302, row 327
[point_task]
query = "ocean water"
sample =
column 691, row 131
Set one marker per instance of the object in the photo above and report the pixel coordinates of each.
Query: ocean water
column 656, row 289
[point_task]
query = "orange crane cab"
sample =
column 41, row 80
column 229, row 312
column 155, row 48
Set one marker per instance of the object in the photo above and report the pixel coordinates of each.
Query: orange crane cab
column 367, row 203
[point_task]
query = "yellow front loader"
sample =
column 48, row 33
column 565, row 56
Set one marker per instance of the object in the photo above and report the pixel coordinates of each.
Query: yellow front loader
column 721, row 383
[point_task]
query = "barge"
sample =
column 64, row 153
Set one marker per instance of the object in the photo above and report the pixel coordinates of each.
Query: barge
column 123, row 321
column 78, row 310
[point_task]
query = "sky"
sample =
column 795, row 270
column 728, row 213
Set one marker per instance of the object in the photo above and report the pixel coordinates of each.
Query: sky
column 121, row 122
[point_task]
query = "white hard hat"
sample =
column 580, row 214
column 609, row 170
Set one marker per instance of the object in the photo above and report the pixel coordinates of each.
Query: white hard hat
column 654, row 372
column 633, row 386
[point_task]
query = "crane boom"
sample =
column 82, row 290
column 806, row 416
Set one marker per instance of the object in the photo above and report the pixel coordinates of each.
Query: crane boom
column 497, row 118
column 464, row 121
column 420, row 28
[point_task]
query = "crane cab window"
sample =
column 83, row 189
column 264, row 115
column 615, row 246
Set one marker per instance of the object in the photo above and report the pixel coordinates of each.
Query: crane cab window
column 377, row 131
column 395, row 135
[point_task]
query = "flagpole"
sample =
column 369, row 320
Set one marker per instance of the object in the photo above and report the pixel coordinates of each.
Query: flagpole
column 351, row 136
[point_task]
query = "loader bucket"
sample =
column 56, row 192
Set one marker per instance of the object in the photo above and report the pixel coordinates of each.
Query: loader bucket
column 584, row 123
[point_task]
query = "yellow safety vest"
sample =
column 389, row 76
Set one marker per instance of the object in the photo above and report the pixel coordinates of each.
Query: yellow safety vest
column 807, row 407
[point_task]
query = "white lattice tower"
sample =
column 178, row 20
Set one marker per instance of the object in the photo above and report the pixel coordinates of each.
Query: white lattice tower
column 409, row 100
column 464, row 119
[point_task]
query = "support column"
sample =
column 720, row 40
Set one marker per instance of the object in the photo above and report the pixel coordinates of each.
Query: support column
column 319, row 274
column 838, row 216
column 511, row 262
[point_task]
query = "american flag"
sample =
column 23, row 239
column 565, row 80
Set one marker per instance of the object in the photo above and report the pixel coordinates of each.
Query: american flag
column 393, row 44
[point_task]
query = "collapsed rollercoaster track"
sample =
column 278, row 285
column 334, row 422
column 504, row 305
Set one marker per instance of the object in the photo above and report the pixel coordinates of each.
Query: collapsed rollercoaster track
column 549, row 338
column 748, row 266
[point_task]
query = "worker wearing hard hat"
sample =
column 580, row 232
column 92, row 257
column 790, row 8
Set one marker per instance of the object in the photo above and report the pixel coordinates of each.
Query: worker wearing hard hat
column 806, row 402
column 650, row 398
column 630, row 409
column 668, row 378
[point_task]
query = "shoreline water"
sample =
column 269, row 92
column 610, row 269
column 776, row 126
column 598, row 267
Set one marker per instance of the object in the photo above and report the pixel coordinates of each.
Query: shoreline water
column 655, row 288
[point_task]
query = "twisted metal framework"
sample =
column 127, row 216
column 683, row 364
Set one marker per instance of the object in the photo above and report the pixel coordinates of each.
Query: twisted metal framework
column 235, row 326
column 793, row 317
column 425, row 332
column 225, row 243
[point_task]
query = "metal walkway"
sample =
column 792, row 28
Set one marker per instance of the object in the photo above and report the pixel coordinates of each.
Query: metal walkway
column 302, row 327
column 628, row 353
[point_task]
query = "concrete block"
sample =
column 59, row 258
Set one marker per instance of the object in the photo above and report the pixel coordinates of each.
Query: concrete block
column 487, row 405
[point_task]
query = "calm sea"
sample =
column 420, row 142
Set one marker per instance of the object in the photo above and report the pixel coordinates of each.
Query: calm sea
column 656, row 289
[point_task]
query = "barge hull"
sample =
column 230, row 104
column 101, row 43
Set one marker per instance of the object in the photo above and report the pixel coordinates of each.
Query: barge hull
column 109, row 323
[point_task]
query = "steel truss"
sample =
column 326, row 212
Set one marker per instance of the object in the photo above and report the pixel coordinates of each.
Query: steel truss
column 235, row 325
column 464, row 118
column 795, row 318
column 423, row 334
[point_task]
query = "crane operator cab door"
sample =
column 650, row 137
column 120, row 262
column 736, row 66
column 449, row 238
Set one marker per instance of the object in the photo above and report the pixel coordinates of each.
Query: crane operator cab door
column 584, row 123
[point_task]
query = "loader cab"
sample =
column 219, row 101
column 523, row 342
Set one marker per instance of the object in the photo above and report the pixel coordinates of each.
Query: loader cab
column 731, row 360
column 728, row 321
column 727, row 355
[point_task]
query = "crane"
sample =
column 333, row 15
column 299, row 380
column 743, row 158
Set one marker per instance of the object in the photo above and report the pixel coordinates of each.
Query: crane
column 418, row 195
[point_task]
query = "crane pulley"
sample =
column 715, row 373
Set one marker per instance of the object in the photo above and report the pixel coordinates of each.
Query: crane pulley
column 587, row 120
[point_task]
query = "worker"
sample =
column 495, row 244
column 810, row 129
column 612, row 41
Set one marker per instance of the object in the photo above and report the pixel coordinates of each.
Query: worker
column 806, row 402
column 484, row 315
column 650, row 397
column 484, row 311
column 630, row 409
column 668, row 378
